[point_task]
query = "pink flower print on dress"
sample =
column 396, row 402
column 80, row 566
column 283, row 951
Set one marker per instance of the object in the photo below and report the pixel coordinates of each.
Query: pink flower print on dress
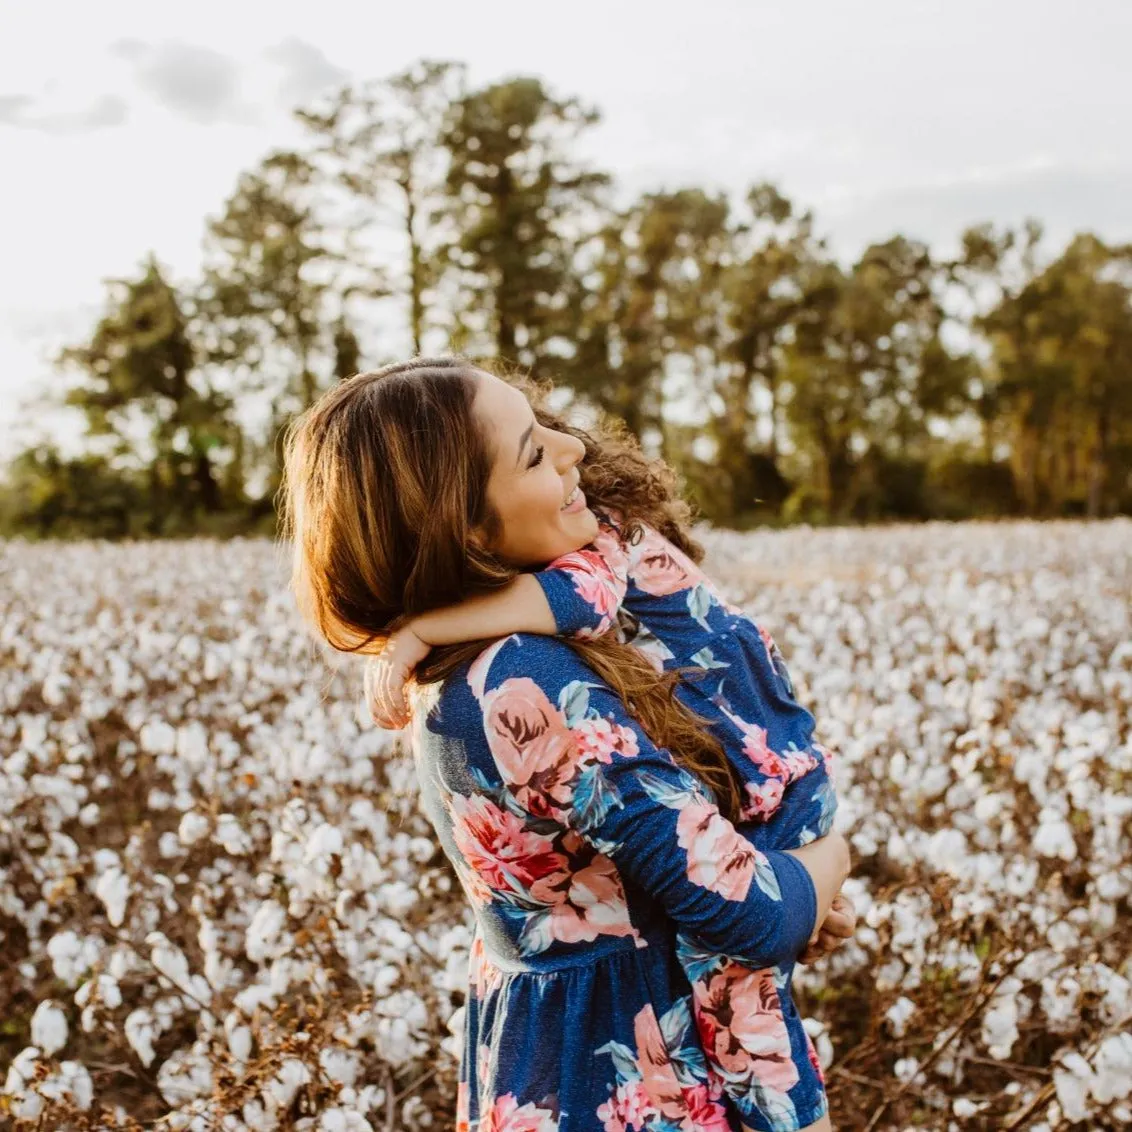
column 507, row 1115
column 815, row 1061
column 598, row 577
column 719, row 858
column 505, row 856
column 599, row 739
column 629, row 1109
column 535, row 750
column 659, row 568
column 483, row 975
column 740, row 1021
column 755, row 747
column 462, row 1107
column 705, row 1113
column 763, row 799
column 655, row 1064
column 595, row 905
column 768, row 642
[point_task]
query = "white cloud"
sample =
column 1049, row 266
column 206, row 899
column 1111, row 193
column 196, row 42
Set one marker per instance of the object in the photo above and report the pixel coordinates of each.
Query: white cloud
column 23, row 112
column 198, row 82
column 306, row 71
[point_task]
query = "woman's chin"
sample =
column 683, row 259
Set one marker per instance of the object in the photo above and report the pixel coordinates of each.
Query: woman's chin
column 584, row 518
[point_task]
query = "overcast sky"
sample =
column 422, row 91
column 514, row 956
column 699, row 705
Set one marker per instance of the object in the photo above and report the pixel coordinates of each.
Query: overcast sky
column 122, row 126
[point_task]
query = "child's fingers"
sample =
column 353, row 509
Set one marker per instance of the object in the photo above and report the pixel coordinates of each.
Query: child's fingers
column 842, row 918
column 375, row 694
column 839, row 924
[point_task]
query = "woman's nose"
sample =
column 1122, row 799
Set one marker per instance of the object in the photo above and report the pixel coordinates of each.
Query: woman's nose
column 571, row 452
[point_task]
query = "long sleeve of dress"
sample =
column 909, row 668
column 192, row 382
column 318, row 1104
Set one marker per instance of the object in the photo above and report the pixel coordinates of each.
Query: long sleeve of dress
column 586, row 587
column 571, row 758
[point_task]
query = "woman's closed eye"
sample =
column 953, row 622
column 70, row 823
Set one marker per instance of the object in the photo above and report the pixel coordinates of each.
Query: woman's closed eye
column 538, row 457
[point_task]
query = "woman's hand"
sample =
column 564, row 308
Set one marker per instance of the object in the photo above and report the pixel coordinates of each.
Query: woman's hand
column 835, row 929
column 385, row 676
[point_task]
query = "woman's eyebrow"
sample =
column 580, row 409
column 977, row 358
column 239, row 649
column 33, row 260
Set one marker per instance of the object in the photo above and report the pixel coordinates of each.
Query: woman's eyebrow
column 523, row 442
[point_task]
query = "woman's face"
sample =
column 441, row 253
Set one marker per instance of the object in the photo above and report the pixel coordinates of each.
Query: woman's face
column 534, row 470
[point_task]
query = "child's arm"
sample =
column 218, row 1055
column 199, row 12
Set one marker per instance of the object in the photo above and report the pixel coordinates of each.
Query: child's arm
column 576, row 595
column 518, row 607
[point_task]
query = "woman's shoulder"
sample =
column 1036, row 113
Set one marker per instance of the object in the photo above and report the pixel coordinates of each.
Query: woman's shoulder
column 457, row 704
column 546, row 660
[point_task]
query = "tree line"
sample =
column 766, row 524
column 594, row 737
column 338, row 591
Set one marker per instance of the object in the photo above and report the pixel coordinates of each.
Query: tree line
column 996, row 381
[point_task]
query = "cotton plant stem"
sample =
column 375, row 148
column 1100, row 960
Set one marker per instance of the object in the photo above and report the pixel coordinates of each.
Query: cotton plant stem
column 981, row 1000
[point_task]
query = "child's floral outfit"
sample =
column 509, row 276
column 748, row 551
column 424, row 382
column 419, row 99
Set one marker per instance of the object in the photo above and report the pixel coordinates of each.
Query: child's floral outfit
column 623, row 926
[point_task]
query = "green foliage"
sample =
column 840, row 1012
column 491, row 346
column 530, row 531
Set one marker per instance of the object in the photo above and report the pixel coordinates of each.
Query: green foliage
column 782, row 385
column 958, row 487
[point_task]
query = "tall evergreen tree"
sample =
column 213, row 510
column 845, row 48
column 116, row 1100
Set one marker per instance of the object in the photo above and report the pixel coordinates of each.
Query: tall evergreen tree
column 379, row 143
column 521, row 208
column 140, row 384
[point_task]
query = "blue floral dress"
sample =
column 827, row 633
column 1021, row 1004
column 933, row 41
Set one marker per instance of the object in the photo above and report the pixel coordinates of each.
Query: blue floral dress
column 630, row 963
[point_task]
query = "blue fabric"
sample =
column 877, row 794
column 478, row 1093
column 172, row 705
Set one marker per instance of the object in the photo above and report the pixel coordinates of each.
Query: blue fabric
column 633, row 950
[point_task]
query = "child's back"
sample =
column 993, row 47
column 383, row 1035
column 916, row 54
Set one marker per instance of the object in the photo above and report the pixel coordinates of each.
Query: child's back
column 654, row 596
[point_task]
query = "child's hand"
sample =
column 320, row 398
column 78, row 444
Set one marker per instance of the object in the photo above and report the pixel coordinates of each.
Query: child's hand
column 385, row 676
column 836, row 928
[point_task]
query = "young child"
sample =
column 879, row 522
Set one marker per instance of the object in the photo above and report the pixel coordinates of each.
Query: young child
column 659, row 600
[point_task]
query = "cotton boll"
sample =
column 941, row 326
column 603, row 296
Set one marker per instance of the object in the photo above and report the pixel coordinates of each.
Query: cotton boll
column 113, row 889
column 279, row 1092
column 1062, row 935
column 1060, row 1002
column 231, row 836
column 72, row 956
column 1072, row 1080
column 947, row 851
column 1054, row 838
column 1000, row 1026
column 141, row 1032
column 71, row 1081
column 965, row 1108
column 49, row 1027
column 340, row 1065
column 185, row 1076
column 898, row 1015
column 193, row 827
column 265, row 937
column 343, row 1120
column 158, row 738
column 21, row 1073
column 819, row 1035
column 1113, row 1069
column 906, row 1069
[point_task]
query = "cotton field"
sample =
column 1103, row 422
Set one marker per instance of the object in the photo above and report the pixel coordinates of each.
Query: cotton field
column 220, row 909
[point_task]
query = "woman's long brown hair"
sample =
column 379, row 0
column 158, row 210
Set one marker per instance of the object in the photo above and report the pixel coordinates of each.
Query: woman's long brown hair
column 384, row 478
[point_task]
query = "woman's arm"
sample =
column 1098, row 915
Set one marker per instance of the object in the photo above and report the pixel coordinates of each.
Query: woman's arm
column 567, row 751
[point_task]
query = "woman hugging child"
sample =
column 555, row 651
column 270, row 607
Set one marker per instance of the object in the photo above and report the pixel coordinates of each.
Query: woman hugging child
column 634, row 581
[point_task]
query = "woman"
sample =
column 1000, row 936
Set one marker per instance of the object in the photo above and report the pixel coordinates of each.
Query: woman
column 573, row 793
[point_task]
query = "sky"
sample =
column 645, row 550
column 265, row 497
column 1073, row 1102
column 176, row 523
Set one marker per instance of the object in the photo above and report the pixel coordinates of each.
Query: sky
column 123, row 126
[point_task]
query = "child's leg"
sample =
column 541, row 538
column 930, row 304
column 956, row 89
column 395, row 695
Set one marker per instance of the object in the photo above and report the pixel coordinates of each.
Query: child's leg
column 806, row 812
